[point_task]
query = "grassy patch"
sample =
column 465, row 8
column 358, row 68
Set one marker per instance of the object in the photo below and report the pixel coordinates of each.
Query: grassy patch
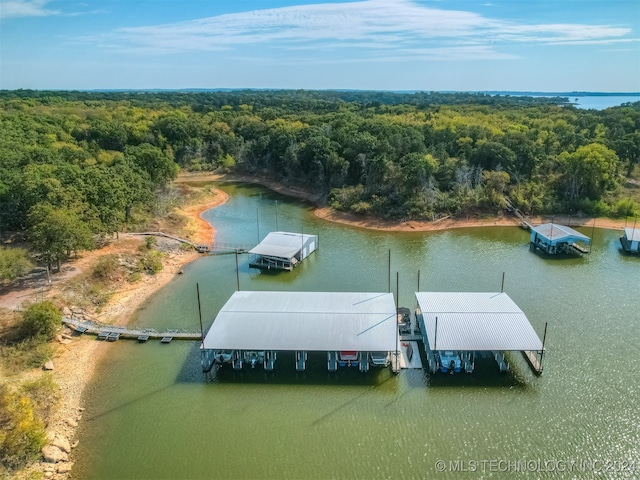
column 26, row 354
column 44, row 395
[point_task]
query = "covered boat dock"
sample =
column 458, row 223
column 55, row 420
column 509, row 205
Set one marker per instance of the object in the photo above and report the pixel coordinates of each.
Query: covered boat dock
column 253, row 326
column 457, row 325
column 283, row 250
column 553, row 239
column 630, row 240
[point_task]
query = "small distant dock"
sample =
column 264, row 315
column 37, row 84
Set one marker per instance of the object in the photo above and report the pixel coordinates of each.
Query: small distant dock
column 555, row 239
column 283, row 250
column 110, row 333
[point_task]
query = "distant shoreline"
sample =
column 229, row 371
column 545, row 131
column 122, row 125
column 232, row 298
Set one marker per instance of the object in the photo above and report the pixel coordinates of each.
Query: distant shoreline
column 372, row 223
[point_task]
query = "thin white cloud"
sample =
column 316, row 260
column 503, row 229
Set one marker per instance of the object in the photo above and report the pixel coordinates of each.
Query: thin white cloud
column 37, row 8
column 365, row 26
column 25, row 8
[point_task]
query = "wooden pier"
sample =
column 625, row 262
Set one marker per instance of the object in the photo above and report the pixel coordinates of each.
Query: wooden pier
column 534, row 361
column 199, row 247
column 524, row 221
column 112, row 333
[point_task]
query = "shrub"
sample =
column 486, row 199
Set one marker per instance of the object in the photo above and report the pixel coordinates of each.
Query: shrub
column 42, row 320
column 107, row 268
column 22, row 434
column 151, row 262
column 361, row 208
column 626, row 208
column 150, row 242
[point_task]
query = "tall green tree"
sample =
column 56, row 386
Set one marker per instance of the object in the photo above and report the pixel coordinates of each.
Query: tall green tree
column 56, row 233
column 159, row 166
column 628, row 148
column 589, row 171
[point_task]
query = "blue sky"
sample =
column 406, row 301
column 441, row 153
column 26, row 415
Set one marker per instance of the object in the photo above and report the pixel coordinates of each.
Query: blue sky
column 514, row 45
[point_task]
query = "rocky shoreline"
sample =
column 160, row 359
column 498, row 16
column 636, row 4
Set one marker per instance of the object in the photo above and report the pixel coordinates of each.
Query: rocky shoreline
column 76, row 357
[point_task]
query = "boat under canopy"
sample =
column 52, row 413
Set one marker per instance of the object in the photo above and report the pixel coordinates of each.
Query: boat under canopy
column 475, row 321
column 305, row 321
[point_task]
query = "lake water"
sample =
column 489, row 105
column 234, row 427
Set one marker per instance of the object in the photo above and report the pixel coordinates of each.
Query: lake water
column 600, row 102
column 152, row 414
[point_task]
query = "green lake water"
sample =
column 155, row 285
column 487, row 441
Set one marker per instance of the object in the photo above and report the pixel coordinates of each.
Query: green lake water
column 152, row 414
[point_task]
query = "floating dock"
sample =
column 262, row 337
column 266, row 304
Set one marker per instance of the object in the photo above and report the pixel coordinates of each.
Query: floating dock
column 112, row 333
column 252, row 326
column 630, row 240
column 457, row 326
column 555, row 239
column 283, row 250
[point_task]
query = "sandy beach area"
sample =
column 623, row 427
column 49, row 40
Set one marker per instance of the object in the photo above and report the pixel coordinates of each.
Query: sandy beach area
column 76, row 360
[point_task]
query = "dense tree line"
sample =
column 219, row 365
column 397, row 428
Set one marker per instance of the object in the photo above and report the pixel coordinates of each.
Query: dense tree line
column 75, row 164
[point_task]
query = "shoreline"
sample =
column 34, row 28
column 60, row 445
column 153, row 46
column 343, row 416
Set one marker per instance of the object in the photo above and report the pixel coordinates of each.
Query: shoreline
column 76, row 362
column 76, row 358
column 371, row 223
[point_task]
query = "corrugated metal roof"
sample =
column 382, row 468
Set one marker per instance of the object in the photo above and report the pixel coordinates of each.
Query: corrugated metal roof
column 282, row 244
column 475, row 321
column 554, row 232
column 311, row 321
column 632, row 234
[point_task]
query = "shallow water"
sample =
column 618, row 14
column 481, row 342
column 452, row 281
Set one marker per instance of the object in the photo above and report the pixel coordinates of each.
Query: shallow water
column 151, row 413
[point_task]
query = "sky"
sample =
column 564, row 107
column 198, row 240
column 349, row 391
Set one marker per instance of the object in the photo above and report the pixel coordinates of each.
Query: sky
column 430, row 45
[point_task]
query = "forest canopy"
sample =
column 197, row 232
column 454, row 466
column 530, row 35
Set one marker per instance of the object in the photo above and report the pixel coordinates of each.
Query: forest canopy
column 76, row 164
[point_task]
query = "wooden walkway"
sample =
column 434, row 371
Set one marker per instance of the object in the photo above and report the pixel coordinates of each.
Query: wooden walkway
column 534, row 361
column 112, row 333
column 524, row 221
column 199, row 247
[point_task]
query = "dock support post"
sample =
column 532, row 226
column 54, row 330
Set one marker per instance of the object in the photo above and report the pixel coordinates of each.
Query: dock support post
column 389, row 273
column 237, row 271
column 203, row 355
column 397, row 332
column 544, row 339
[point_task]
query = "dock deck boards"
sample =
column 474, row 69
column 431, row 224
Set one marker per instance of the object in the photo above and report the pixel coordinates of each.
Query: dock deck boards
column 113, row 333
column 533, row 360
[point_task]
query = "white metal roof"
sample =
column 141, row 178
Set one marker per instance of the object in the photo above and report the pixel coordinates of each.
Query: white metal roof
column 311, row 321
column 475, row 321
column 281, row 244
column 555, row 232
column 632, row 234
